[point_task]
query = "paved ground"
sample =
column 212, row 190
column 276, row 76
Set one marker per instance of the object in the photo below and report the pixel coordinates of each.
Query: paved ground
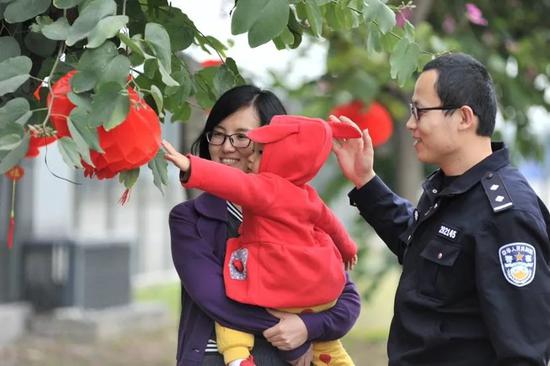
column 144, row 348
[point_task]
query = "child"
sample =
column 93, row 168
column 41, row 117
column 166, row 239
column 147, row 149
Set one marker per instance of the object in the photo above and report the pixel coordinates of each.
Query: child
column 292, row 251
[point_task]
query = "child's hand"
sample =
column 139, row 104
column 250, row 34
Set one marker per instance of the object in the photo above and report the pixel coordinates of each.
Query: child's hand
column 171, row 154
column 351, row 263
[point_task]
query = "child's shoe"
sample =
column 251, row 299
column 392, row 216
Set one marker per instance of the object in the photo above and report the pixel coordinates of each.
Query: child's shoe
column 248, row 362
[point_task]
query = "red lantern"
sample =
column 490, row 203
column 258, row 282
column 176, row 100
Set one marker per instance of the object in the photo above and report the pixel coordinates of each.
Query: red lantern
column 61, row 106
column 39, row 138
column 211, row 63
column 129, row 145
column 375, row 118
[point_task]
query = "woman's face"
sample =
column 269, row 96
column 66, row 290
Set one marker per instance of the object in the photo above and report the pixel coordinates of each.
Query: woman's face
column 241, row 121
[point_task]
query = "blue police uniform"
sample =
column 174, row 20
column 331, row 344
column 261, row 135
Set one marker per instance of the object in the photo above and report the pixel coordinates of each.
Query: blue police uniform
column 475, row 285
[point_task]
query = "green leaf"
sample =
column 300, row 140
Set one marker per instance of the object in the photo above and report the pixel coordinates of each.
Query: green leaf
column 133, row 43
column 373, row 38
column 91, row 14
column 69, row 151
column 83, row 81
column 96, row 59
column 66, row 4
column 271, row 21
column 16, row 110
column 92, row 65
column 404, row 60
column 224, row 80
column 38, row 44
column 263, row 19
column 159, row 41
column 13, row 73
column 110, row 105
column 157, row 96
column 314, row 18
column 380, row 13
column 83, row 130
column 83, row 101
column 9, row 142
column 106, row 28
column 117, row 70
column 159, row 167
column 10, row 48
column 81, row 144
column 58, row 30
column 21, row 10
column 15, row 156
column 128, row 177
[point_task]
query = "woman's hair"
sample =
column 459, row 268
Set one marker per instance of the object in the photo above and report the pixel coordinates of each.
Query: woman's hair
column 264, row 102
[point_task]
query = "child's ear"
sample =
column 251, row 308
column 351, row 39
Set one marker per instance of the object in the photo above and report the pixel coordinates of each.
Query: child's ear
column 272, row 133
column 342, row 130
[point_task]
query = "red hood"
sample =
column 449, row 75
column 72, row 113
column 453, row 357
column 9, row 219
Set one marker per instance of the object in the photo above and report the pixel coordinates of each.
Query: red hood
column 296, row 147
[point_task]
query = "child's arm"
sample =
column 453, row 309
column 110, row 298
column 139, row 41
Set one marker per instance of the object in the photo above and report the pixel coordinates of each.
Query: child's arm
column 330, row 224
column 247, row 190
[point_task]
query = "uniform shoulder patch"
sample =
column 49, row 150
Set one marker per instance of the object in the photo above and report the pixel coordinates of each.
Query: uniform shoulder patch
column 518, row 263
column 496, row 192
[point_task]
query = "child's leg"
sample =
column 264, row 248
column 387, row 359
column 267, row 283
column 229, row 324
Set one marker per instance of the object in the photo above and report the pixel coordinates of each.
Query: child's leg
column 330, row 353
column 233, row 344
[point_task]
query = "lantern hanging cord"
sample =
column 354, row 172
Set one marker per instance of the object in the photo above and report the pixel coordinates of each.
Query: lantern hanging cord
column 55, row 175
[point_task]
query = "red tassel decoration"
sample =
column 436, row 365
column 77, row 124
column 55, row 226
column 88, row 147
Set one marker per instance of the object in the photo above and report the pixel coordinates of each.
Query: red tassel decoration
column 14, row 174
column 125, row 197
column 11, row 230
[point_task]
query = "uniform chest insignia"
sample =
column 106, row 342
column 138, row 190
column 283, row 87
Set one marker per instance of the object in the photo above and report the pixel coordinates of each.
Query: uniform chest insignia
column 518, row 263
column 237, row 264
column 448, row 232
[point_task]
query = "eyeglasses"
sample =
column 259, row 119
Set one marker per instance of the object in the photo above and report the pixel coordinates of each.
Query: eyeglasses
column 415, row 111
column 238, row 140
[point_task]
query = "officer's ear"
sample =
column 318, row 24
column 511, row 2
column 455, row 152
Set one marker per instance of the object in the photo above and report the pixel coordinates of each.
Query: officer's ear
column 468, row 119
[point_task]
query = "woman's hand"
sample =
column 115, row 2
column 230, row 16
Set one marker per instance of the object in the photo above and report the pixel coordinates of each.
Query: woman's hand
column 289, row 333
column 304, row 360
column 171, row 154
column 355, row 156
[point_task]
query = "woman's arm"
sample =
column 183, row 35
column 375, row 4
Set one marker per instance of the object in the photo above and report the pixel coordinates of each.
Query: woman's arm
column 327, row 325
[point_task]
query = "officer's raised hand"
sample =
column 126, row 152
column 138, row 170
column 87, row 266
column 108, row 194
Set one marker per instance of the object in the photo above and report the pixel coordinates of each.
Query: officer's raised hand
column 355, row 156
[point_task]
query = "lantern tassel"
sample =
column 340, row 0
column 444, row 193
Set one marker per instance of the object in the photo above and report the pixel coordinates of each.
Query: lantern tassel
column 125, row 197
column 11, row 231
column 11, row 227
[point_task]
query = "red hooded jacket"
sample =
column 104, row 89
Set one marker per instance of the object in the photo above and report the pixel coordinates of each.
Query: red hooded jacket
column 291, row 249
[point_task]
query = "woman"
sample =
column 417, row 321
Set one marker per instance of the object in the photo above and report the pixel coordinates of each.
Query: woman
column 199, row 231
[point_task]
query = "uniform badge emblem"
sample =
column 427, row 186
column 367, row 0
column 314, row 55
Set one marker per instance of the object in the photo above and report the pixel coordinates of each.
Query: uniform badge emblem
column 518, row 263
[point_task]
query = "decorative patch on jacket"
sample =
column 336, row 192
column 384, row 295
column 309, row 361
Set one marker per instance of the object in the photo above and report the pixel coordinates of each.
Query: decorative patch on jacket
column 237, row 264
column 518, row 263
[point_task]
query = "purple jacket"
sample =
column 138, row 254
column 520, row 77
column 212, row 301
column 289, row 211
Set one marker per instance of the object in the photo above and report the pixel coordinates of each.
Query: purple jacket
column 198, row 234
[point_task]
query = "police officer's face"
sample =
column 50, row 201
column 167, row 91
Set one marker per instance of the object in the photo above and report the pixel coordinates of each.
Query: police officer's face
column 435, row 133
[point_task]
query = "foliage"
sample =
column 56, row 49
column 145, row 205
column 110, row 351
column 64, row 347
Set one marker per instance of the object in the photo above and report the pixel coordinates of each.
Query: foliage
column 107, row 41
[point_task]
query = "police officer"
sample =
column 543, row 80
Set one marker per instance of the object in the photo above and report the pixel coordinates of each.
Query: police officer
column 475, row 285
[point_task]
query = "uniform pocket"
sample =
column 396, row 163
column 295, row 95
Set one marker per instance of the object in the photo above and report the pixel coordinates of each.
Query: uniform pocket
column 435, row 278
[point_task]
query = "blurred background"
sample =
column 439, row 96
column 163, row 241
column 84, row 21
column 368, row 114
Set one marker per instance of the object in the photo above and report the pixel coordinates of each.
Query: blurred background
column 91, row 282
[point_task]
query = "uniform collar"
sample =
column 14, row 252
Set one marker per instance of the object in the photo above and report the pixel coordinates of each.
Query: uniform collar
column 463, row 183
column 211, row 206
